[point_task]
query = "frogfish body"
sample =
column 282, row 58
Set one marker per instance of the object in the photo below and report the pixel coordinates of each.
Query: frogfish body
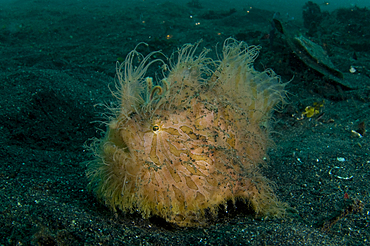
column 181, row 147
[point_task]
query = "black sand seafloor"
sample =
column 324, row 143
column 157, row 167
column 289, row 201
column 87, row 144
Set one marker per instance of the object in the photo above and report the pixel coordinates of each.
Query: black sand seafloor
column 58, row 60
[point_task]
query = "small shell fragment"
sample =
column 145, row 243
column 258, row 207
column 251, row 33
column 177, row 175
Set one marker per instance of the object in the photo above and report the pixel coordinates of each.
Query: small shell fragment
column 341, row 159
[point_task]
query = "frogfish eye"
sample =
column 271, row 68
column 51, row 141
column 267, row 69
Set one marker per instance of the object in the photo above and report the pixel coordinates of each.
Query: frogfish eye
column 155, row 128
